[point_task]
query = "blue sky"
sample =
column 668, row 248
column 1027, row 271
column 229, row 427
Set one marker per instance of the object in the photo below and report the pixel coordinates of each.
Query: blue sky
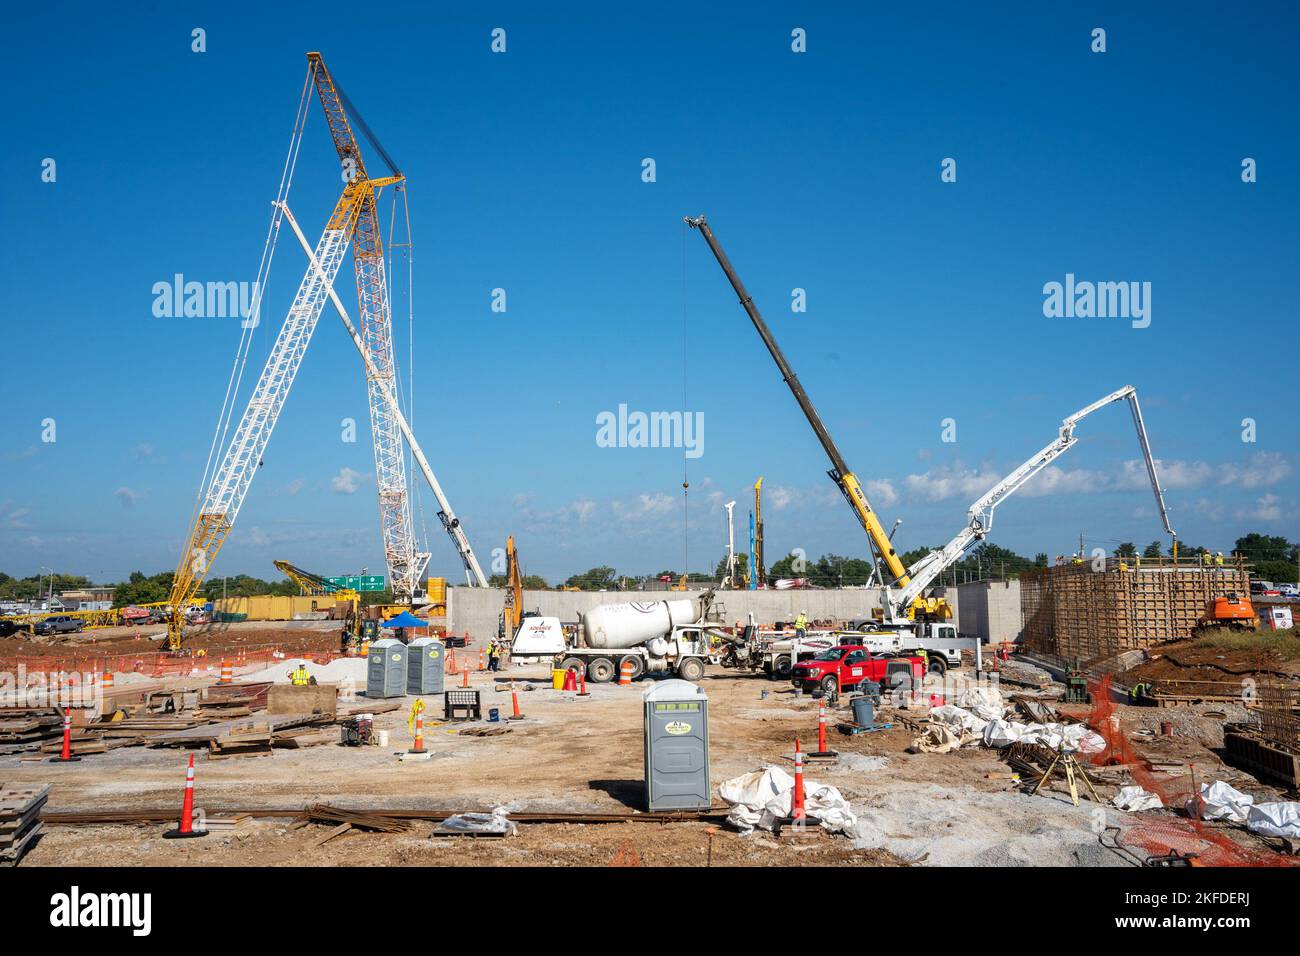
column 818, row 171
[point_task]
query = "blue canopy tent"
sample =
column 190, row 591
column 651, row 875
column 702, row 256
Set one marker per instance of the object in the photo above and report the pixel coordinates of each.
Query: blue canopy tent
column 406, row 619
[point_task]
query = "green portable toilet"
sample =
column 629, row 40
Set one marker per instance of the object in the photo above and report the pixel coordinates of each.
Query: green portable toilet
column 386, row 669
column 425, row 663
column 676, row 746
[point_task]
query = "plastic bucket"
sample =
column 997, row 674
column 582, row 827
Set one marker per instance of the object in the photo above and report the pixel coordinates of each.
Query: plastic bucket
column 382, row 737
column 864, row 711
column 557, row 679
column 494, row 715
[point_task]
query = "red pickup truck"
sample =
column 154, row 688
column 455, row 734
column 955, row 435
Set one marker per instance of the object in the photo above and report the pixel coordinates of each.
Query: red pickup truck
column 839, row 669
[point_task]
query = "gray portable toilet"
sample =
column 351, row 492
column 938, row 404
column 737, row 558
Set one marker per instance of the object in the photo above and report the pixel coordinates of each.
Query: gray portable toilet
column 426, row 658
column 676, row 746
column 386, row 669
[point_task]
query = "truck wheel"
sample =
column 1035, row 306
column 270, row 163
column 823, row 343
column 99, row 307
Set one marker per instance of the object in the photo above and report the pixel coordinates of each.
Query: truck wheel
column 938, row 666
column 601, row 670
column 830, row 687
column 638, row 665
column 781, row 668
column 691, row 669
column 573, row 664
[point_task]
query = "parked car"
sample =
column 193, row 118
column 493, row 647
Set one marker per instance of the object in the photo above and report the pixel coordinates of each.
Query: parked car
column 1289, row 590
column 8, row 628
column 842, row 668
column 60, row 624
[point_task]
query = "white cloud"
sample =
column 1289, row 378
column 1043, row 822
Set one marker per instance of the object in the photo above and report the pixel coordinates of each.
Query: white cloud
column 15, row 518
column 1060, row 481
column 1265, row 468
column 127, row 496
column 583, row 508
column 948, row 481
column 1267, row 508
column 346, row 481
column 778, row 497
column 258, row 538
column 880, row 491
column 143, row 450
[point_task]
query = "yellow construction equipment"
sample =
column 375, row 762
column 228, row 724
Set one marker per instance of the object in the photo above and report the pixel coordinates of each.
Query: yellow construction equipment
column 311, row 583
column 513, row 612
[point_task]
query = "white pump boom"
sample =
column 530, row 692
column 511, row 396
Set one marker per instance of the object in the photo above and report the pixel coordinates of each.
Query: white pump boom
column 980, row 517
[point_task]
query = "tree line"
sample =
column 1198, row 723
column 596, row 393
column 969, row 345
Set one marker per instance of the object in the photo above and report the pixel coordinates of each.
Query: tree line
column 1273, row 558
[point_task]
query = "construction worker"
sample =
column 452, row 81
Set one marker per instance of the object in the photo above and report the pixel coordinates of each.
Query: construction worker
column 1218, row 558
column 925, row 661
column 1205, row 558
column 494, row 655
column 801, row 625
column 1139, row 692
column 299, row 675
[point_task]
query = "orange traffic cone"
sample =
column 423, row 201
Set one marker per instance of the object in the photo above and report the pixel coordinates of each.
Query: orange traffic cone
column 798, row 811
column 570, row 680
column 418, row 746
column 464, row 678
column 66, row 755
column 107, row 682
column 186, row 828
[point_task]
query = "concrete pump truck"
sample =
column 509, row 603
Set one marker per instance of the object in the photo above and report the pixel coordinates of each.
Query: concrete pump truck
column 909, row 618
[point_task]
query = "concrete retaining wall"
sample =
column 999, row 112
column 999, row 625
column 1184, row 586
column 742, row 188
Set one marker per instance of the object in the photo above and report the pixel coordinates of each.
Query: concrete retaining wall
column 990, row 610
column 477, row 610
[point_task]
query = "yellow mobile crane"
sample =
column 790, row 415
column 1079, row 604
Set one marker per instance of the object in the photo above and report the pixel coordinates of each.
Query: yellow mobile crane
column 840, row 472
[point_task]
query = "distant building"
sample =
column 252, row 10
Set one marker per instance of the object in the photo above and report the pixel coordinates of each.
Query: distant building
column 87, row 599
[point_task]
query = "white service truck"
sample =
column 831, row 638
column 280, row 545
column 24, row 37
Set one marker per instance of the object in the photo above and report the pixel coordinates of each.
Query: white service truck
column 655, row 637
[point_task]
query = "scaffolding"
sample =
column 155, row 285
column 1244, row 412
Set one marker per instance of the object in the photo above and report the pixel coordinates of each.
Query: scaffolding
column 1094, row 610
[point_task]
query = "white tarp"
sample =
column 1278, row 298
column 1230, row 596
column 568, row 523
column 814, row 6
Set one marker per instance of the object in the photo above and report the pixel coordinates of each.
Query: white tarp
column 957, row 719
column 1134, row 798
column 1275, row 819
column 984, row 702
column 761, row 797
column 1075, row 737
column 1220, row 802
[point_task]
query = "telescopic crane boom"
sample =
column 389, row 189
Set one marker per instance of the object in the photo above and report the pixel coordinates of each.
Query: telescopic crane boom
column 840, row 472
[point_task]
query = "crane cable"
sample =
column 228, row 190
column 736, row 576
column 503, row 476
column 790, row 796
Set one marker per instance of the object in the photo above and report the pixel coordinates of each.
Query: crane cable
column 686, row 483
column 253, row 320
column 406, row 396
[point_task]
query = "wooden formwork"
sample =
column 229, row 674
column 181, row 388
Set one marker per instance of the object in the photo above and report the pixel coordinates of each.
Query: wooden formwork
column 1091, row 612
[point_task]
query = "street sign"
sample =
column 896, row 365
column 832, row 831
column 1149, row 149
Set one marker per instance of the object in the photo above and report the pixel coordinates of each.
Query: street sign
column 357, row 582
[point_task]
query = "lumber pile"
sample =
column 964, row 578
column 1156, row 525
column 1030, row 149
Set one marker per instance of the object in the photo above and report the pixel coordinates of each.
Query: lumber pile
column 356, row 819
column 24, row 729
column 20, row 820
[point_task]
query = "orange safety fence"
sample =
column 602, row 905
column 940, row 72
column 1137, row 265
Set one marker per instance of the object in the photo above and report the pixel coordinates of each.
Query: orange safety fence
column 157, row 663
column 1161, row 836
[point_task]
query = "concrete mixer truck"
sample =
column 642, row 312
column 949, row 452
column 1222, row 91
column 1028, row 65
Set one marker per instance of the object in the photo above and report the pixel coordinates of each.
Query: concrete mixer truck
column 656, row 637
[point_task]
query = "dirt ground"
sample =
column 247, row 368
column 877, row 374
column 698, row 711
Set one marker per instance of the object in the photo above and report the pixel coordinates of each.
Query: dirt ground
column 585, row 755
column 1218, row 660
column 298, row 637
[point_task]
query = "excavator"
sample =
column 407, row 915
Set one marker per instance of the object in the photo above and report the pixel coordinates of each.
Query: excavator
column 513, row 612
column 905, row 608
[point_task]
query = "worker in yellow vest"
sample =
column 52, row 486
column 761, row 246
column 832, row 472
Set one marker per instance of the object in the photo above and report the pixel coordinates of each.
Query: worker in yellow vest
column 1218, row 558
column 801, row 625
column 299, row 676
